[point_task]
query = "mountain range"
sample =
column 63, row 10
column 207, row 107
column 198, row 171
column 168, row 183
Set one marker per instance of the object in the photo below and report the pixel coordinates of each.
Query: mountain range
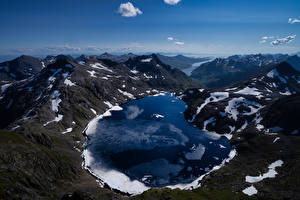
column 223, row 72
column 45, row 110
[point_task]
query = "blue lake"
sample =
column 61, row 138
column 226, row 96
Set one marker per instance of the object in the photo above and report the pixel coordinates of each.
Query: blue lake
column 150, row 141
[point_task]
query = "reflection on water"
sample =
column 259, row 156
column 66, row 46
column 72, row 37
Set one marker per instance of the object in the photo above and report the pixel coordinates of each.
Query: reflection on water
column 150, row 141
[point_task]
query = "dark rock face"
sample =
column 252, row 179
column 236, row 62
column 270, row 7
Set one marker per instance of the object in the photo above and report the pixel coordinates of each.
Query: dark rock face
column 77, row 195
column 284, row 113
column 233, row 109
column 159, row 73
column 294, row 61
column 20, row 68
column 228, row 71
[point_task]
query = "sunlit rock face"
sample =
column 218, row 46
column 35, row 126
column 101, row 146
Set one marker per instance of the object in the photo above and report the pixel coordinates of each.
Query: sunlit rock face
column 150, row 144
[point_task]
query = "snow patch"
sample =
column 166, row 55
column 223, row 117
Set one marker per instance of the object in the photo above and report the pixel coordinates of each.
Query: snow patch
column 55, row 100
column 101, row 67
column 43, row 65
column 134, row 71
column 56, row 119
column 148, row 77
column 52, row 78
column 270, row 174
column 206, row 122
column 146, row 60
column 126, row 94
column 4, row 87
column 92, row 73
column 108, row 104
column 243, row 127
column 94, row 111
column 68, row 130
column 91, row 127
column 274, row 73
column 112, row 178
column 248, row 91
column 250, row 191
column 275, row 140
column 233, row 104
column 214, row 97
column 287, row 92
column 69, row 82
column 230, row 89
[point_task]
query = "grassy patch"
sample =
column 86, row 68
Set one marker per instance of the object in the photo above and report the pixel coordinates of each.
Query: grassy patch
column 198, row 194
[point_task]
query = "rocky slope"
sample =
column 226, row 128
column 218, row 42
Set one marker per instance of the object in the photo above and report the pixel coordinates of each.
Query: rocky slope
column 223, row 72
column 20, row 68
column 47, row 113
column 259, row 116
column 233, row 109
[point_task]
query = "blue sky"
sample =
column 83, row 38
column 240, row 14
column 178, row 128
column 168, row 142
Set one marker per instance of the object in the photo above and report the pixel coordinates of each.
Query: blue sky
column 214, row 27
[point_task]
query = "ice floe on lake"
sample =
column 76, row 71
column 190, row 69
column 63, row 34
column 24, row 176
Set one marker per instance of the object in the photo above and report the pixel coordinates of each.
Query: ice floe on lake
column 196, row 183
column 112, row 178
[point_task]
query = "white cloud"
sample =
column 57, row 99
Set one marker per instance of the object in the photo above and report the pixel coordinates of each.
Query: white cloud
column 294, row 20
column 128, row 10
column 170, row 38
column 172, row 2
column 179, row 43
column 265, row 38
column 283, row 40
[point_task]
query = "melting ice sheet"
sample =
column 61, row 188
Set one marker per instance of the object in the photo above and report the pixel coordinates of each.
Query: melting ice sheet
column 148, row 143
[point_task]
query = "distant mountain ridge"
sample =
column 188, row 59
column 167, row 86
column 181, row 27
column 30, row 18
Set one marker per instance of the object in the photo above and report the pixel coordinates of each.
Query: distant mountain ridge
column 294, row 61
column 20, row 68
column 223, row 72
column 181, row 62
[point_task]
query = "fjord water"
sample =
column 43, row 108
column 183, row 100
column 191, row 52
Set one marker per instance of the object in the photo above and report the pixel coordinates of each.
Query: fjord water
column 151, row 142
column 188, row 71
